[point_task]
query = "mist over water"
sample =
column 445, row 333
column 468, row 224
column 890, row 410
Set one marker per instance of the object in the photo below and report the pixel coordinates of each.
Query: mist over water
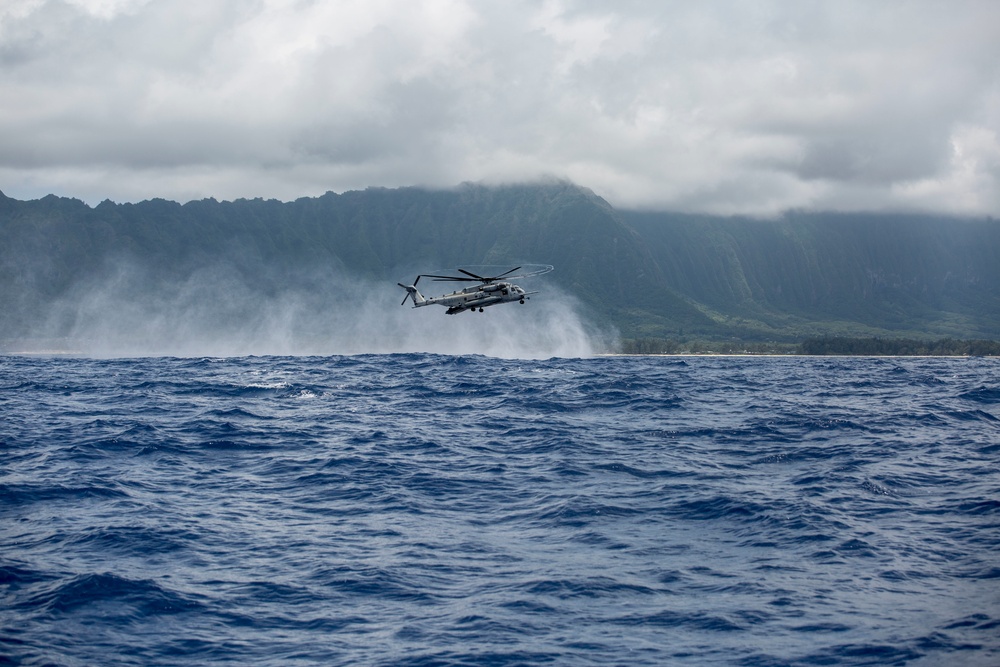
column 216, row 311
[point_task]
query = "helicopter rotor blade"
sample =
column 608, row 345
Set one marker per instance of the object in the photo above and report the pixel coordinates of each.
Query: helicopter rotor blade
column 440, row 278
column 506, row 272
column 530, row 274
column 489, row 279
column 486, row 280
column 470, row 273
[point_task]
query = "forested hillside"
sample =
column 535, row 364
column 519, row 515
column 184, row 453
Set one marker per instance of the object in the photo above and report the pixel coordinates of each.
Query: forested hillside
column 647, row 274
column 822, row 273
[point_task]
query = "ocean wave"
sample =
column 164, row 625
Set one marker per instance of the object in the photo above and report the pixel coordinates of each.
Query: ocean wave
column 455, row 510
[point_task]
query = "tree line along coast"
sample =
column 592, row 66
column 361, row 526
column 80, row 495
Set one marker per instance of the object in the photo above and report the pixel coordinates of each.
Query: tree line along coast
column 820, row 346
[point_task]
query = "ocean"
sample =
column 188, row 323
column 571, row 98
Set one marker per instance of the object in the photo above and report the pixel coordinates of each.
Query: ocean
column 424, row 509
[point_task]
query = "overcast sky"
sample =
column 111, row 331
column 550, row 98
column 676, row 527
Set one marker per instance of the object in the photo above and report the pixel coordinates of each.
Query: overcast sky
column 722, row 107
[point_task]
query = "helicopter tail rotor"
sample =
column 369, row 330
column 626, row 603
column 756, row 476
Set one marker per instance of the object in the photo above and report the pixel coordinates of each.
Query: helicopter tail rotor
column 413, row 293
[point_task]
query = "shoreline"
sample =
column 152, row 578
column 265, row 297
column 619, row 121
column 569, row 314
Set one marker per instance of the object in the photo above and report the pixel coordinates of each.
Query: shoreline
column 674, row 355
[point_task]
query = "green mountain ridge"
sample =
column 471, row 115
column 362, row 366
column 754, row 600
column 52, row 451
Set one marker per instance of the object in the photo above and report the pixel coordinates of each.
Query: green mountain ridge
column 823, row 273
column 647, row 274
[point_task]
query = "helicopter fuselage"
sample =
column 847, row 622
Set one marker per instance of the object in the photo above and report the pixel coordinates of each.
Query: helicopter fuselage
column 489, row 292
column 474, row 297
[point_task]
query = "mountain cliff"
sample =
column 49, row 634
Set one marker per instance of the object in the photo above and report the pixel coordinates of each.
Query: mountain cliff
column 647, row 274
column 825, row 273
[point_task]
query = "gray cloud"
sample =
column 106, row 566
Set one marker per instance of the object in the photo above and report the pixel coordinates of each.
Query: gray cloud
column 719, row 107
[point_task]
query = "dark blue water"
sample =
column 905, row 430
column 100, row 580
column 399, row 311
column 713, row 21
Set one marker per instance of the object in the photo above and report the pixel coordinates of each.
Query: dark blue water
column 435, row 510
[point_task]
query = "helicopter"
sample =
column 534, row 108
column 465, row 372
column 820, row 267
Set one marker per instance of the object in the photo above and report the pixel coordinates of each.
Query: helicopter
column 490, row 291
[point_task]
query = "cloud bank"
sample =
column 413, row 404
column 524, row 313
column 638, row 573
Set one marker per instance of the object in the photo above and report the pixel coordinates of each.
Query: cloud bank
column 723, row 107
